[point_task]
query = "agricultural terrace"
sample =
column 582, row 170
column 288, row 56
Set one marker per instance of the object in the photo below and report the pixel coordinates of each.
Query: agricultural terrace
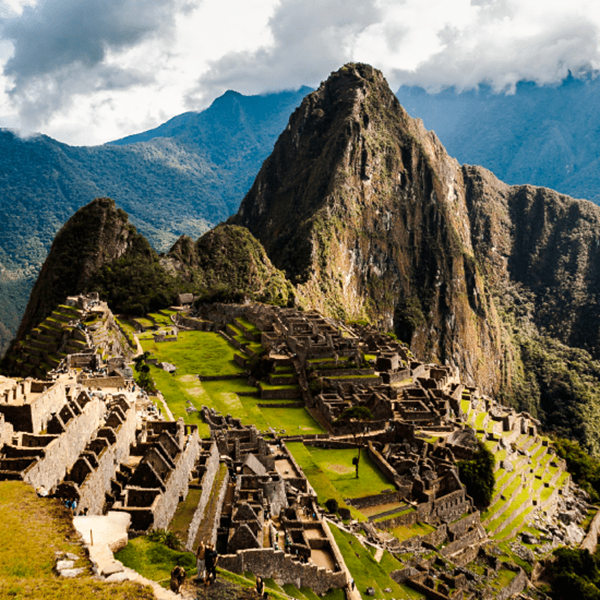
column 32, row 529
column 368, row 572
column 332, row 474
column 209, row 354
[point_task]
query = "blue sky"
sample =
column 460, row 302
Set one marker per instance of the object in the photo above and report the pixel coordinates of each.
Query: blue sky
column 89, row 71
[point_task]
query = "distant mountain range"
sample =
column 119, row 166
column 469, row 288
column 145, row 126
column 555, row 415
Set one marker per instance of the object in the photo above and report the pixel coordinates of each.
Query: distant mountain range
column 182, row 178
column 193, row 171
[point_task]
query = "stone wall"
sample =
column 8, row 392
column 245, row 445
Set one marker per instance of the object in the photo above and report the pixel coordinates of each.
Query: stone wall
column 382, row 464
column 470, row 538
column 376, row 500
column 275, row 564
column 177, row 483
column 591, row 539
column 6, row 431
column 62, row 453
column 212, row 466
column 102, row 382
column 93, row 490
column 516, row 586
column 407, row 518
column 280, row 394
column 32, row 413
column 194, row 324
column 460, row 527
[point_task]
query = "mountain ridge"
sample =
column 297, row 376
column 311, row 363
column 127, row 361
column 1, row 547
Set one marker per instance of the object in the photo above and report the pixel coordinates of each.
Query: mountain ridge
column 170, row 186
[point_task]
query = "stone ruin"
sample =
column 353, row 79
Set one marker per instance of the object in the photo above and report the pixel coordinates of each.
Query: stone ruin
column 269, row 523
column 151, row 489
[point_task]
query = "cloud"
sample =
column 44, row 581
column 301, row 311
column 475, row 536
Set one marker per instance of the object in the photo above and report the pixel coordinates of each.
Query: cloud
column 67, row 47
column 431, row 43
column 309, row 39
column 87, row 71
column 504, row 42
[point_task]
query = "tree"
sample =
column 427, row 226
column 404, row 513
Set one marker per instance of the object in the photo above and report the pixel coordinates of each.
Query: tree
column 478, row 477
column 358, row 414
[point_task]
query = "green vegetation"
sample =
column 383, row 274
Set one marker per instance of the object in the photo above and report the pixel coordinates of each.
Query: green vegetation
column 577, row 575
column 230, row 265
column 585, row 469
column 331, row 473
column 478, row 476
column 32, row 530
column 207, row 353
column 405, row 532
column 154, row 560
column 196, row 353
column 367, row 572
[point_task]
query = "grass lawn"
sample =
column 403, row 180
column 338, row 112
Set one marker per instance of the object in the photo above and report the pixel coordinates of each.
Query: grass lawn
column 31, row 530
column 197, row 353
column 337, row 465
column 331, row 473
column 209, row 354
column 403, row 532
column 154, row 560
column 369, row 573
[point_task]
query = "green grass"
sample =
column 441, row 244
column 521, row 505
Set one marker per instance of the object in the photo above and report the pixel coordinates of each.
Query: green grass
column 154, row 560
column 337, row 465
column 367, row 572
column 249, row 326
column 197, row 353
column 283, row 386
column 331, row 474
column 31, row 530
column 405, row 532
column 184, row 514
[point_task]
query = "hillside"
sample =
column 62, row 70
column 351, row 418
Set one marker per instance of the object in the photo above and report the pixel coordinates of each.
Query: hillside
column 371, row 218
column 181, row 178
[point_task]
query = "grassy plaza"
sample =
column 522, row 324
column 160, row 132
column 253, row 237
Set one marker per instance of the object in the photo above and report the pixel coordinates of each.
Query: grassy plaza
column 208, row 354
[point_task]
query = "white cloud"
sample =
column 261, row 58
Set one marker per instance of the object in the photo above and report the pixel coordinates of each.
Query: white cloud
column 87, row 71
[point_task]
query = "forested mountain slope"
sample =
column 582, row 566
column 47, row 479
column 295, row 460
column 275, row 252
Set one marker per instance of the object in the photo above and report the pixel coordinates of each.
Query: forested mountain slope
column 182, row 178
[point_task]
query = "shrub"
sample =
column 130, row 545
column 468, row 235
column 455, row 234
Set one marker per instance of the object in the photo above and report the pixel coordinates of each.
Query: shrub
column 167, row 537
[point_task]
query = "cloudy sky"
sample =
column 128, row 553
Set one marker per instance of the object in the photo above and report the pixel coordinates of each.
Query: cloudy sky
column 89, row 71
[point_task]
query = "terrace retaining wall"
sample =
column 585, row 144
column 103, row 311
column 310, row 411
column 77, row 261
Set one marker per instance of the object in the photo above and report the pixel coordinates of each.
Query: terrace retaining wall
column 61, row 454
column 177, row 484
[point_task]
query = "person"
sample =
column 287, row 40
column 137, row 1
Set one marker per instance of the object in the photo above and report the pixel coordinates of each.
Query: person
column 177, row 578
column 200, row 562
column 260, row 587
column 211, row 559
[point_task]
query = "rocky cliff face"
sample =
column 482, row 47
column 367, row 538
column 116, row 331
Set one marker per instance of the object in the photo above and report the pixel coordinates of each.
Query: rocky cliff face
column 370, row 217
column 367, row 214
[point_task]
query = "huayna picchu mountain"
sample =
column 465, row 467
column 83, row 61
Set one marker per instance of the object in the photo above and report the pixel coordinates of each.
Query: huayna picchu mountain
column 368, row 217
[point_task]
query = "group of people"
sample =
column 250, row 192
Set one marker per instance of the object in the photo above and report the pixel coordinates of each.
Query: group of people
column 206, row 562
